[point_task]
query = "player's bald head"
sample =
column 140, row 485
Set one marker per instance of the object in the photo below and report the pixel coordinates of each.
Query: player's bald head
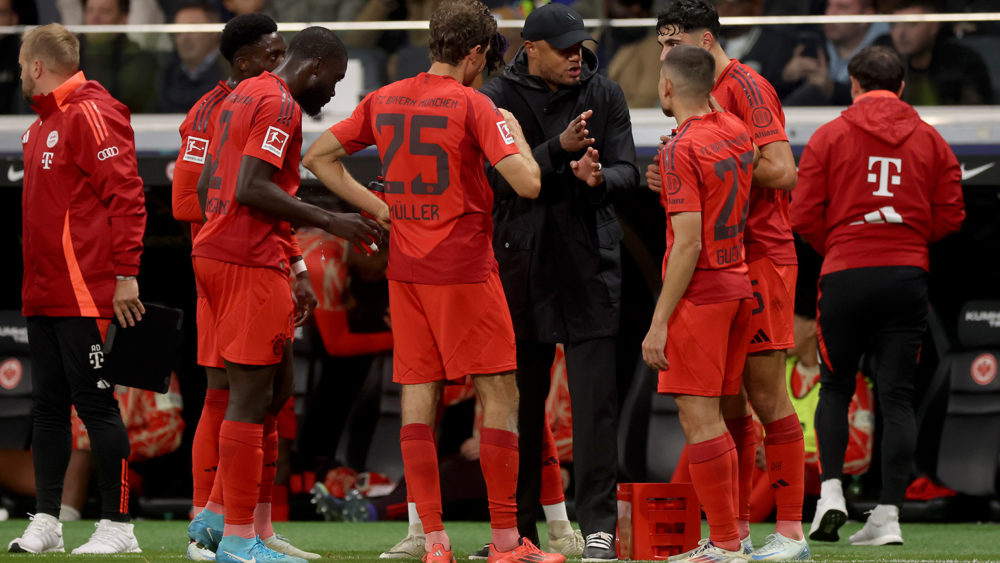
column 691, row 71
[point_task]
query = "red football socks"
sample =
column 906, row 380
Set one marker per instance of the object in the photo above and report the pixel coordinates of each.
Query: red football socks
column 712, row 475
column 205, row 449
column 420, row 467
column 745, row 437
column 240, row 455
column 552, row 485
column 269, row 468
column 784, row 449
column 498, row 459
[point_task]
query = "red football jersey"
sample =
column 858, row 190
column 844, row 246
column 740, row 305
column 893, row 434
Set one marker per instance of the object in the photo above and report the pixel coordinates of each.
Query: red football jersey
column 751, row 97
column 706, row 167
column 259, row 119
column 196, row 131
column 432, row 134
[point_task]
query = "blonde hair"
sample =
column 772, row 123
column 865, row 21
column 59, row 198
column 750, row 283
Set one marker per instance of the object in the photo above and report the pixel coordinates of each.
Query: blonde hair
column 54, row 45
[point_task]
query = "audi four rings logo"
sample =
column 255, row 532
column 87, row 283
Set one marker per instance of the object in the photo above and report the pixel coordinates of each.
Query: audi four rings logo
column 107, row 153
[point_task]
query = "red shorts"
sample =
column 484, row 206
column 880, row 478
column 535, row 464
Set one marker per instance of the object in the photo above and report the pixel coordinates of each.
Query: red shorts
column 772, row 324
column 706, row 348
column 208, row 346
column 249, row 309
column 450, row 331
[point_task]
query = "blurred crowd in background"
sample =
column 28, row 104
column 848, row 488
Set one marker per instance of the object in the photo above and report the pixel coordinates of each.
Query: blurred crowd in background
column 947, row 63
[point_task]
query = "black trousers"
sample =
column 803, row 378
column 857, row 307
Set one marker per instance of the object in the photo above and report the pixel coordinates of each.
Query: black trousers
column 590, row 368
column 67, row 360
column 881, row 313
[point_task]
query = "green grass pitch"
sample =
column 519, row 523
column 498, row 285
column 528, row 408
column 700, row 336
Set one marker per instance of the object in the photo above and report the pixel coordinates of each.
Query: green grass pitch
column 166, row 541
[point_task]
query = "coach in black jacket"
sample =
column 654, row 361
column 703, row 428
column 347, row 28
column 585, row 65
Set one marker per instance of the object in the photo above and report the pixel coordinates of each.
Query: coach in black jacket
column 560, row 259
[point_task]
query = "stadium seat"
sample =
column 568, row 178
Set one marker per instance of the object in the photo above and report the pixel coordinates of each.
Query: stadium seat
column 970, row 436
column 987, row 45
column 15, row 382
column 411, row 61
column 373, row 64
column 650, row 438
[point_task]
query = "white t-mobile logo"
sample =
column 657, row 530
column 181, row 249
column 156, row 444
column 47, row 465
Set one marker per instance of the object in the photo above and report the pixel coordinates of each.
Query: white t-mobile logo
column 880, row 170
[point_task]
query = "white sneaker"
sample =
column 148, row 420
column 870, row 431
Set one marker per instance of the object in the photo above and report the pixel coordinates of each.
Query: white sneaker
column 278, row 543
column 746, row 544
column 410, row 547
column 707, row 552
column 881, row 528
column 110, row 537
column 831, row 512
column 564, row 539
column 43, row 535
column 196, row 552
column 779, row 548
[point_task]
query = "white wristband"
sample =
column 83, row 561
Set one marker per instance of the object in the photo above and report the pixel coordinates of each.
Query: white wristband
column 298, row 267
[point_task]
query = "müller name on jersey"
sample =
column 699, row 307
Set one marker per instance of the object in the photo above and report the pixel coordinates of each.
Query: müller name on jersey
column 414, row 212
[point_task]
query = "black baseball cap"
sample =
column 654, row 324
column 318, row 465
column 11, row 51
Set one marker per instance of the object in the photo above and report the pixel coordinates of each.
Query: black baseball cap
column 558, row 24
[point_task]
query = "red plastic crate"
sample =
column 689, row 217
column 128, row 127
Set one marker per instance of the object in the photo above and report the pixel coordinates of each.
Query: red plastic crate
column 657, row 520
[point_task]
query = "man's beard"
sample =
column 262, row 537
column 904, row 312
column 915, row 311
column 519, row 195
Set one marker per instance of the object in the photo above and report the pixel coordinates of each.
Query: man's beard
column 312, row 101
column 27, row 87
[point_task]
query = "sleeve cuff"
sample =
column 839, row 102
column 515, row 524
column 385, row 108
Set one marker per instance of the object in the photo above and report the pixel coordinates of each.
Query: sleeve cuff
column 126, row 270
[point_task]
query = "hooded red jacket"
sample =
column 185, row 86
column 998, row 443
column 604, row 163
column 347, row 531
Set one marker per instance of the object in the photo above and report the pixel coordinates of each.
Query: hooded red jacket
column 83, row 205
column 876, row 185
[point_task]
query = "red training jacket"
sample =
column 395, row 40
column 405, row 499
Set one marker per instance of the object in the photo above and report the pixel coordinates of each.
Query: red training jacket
column 83, row 205
column 876, row 185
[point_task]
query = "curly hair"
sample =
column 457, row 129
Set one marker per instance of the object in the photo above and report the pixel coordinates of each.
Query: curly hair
column 458, row 26
column 494, row 57
column 242, row 31
column 689, row 15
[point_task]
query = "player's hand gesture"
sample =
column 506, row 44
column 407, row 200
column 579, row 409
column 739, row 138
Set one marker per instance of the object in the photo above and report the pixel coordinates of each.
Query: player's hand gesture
column 588, row 168
column 383, row 216
column 363, row 232
column 654, row 347
column 512, row 124
column 126, row 302
column 653, row 175
column 304, row 298
column 653, row 170
column 575, row 138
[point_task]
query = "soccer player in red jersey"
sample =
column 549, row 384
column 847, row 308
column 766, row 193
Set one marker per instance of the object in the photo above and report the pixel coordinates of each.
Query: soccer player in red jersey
column 433, row 133
column 705, row 304
column 770, row 255
column 246, row 190
column 252, row 45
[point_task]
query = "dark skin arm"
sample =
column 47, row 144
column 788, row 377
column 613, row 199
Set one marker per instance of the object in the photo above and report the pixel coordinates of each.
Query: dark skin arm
column 255, row 189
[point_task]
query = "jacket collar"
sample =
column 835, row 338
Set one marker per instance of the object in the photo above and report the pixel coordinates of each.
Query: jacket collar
column 876, row 94
column 47, row 104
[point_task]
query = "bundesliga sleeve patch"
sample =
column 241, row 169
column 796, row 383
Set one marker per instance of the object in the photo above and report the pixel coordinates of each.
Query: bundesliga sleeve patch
column 505, row 132
column 275, row 141
column 195, row 150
